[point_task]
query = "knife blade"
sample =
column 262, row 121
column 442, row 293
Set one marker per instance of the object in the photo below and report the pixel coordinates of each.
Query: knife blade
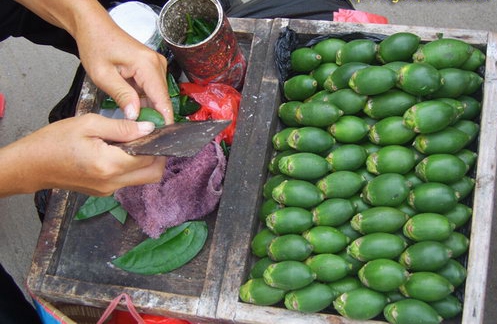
column 182, row 139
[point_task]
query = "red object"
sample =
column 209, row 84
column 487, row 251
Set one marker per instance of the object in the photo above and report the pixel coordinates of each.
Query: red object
column 124, row 317
column 356, row 16
column 2, row 104
column 217, row 101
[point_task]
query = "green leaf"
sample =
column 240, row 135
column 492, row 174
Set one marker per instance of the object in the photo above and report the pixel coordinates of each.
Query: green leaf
column 119, row 213
column 173, row 249
column 94, row 206
column 172, row 86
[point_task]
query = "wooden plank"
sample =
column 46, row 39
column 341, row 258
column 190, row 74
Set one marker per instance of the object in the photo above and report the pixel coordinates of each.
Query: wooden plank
column 478, row 290
column 232, row 310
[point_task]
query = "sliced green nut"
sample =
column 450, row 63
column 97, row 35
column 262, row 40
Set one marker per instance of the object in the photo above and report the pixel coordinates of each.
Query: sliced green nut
column 256, row 291
column 340, row 184
column 444, row 168
column 299, row 87
column 310, row 139
column 287, row 112
column 391, row 103
column 391, row 131
column 429, row 116
column 289, row 220
column 328, row 267
column 428, row 227
column 258, row 268
column 348, row 101
column 444, row 53
column 343, row 285
column 459, row 215
column 419, row 79
column 305, row 166
column 322, row 72
column 425, row 256
column 388, row 189
column 304, row 59
column 398, row 47
column 288, row 275
column 328, row 48
column 376, row 246
column 391, row 159
column 457, row 243
column 318, row 114
column 360, row 304
column 383, row 275
column 373, row 80
column 448, row 140
column 280, row 139
column 310, row 299
column 449, row 307
column 339, row 79
column 411, row 311
column 289, row 247
column 433, row 197
column 347, row 157
column 333, row 212
column 454, row 272
column 298, row 193
column 426, row 286
column 379, row 219
column 357, row 50
column 261, row 241
column 326, row 239
column 349, row 129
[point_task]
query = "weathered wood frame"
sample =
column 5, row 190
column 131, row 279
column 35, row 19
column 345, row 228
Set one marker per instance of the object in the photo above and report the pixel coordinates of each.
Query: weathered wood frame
column 479, row 295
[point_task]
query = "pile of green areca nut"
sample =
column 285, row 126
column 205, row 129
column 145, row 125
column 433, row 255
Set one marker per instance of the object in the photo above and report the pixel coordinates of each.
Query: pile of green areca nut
column 368, row 199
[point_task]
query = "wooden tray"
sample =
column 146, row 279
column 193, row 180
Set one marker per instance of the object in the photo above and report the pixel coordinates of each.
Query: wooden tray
column 71, row 263
column 480, row 297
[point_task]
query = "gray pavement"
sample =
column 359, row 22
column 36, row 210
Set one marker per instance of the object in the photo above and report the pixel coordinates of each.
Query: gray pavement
column 34, row 78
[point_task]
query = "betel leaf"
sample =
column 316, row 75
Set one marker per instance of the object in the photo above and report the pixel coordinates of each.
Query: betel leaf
column 173, row 249
column 94, row 206
column 119, row 213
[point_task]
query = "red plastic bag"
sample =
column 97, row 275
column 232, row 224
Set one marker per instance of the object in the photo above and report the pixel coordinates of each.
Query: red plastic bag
column 114, row 316
column 356, row 16
column 217, row 101
column 123, row 317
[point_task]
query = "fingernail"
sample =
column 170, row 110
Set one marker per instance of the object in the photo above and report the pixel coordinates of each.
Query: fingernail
column 130, row 112
column 145, row 127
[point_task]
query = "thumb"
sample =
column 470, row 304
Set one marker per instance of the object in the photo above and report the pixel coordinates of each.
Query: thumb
column 123, row 130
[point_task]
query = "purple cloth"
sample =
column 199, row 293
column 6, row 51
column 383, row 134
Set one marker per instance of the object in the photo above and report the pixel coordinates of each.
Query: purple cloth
column 190, row 189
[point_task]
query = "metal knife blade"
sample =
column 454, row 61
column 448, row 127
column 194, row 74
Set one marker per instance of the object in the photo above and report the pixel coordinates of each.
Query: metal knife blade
column 179, row 139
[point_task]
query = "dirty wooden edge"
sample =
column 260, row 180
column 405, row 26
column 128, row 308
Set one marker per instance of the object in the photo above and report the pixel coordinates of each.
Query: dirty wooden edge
column 233, row 200
column 232, row 310
column 477, row 289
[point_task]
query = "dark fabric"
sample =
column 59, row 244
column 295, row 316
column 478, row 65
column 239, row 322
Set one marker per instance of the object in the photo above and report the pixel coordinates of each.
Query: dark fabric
column 14, row 308
column 296, row 9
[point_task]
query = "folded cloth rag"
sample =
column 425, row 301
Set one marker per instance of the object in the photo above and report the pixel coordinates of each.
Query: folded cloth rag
column 190, row 189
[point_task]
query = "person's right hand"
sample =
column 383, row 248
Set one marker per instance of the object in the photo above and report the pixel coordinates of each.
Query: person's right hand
column 73, row 154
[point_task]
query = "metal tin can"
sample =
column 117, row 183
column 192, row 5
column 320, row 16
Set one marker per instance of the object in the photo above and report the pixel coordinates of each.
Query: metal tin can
column 216, row 59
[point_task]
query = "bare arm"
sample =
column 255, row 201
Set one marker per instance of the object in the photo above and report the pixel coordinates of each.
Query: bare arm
column 116, row 62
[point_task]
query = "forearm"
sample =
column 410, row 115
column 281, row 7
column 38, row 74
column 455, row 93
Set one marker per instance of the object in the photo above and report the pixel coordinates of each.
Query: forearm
column 68, row 14
column 18, row 174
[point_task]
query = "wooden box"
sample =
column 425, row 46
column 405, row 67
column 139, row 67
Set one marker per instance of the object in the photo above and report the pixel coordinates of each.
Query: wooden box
column 479, row 296
column 71, row 263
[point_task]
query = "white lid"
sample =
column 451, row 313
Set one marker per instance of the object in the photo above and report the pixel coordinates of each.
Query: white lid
column 137, row 19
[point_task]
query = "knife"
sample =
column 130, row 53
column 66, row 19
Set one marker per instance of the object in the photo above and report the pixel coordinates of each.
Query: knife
column 182, row 139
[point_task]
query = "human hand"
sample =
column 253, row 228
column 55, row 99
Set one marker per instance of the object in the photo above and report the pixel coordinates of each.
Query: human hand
column 128, row 71
column 73, row 154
